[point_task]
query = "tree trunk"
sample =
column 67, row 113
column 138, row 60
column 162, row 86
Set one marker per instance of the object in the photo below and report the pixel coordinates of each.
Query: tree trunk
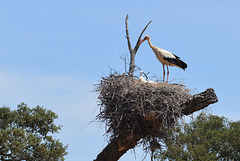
column 117, row 147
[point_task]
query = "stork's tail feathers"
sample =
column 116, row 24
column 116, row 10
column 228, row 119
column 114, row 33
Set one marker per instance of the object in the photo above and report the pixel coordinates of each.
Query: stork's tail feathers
column 181, row 64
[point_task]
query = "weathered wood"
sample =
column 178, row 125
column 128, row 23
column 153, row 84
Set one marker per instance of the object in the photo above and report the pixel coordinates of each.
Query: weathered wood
column 132, row 51
column 139, row 38
column 117, row 147
column 199, row 101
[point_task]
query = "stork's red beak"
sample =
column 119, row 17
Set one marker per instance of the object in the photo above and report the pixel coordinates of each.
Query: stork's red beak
column 141, row 42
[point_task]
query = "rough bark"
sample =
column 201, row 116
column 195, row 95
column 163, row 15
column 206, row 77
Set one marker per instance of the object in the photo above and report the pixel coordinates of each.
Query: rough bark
column 199, row 101
column 117, row 147
column 120, row 145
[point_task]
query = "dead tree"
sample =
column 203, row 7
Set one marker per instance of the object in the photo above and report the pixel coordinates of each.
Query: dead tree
column 132, row 51
column 136, row 112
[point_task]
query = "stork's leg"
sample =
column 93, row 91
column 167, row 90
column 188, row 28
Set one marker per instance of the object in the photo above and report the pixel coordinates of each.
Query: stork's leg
column 167, row 73
column 163, row 73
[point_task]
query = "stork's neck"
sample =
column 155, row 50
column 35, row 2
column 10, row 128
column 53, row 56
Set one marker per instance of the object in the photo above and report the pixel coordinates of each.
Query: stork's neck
column 154, row 48
column 150, row 44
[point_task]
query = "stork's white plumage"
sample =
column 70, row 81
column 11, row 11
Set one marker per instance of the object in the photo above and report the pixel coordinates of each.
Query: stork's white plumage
column 165, row 57
column 142, row 79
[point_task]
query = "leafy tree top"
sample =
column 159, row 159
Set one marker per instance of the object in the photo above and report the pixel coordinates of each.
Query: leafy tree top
column 25, row 134
column 208, row 137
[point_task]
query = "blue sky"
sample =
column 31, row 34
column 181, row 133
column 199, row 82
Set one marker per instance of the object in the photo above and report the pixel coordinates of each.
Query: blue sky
column 52, row 52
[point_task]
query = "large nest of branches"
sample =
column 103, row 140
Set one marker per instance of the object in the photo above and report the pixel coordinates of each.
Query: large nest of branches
column 131, row 106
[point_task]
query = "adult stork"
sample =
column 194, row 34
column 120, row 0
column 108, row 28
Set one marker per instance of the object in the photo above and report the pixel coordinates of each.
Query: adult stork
column 165, row 57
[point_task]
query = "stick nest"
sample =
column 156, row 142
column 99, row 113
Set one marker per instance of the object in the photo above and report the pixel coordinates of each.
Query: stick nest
column 130, row 106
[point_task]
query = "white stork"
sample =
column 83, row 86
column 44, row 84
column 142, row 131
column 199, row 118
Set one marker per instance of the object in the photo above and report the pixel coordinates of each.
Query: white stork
column 141, row 78
column 165, row 57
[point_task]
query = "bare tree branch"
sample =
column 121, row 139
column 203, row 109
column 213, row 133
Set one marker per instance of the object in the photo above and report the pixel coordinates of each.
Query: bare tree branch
column 139, row 39
column 133, row 51
column 123, row 57
column 127, row 35
column 199, row 101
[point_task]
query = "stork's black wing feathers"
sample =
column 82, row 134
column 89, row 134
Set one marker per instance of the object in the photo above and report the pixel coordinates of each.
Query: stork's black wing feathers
column 176, row 61
column 177, row 57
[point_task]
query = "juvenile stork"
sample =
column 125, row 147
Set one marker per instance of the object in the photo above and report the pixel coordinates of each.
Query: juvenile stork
column 165, row 57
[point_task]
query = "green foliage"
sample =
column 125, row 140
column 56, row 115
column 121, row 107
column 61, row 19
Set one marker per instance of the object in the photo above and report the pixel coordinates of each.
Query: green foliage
column 208, row 137
column 24, row 134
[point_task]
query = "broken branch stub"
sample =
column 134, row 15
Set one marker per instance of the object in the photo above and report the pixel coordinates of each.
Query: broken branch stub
column 199, row 101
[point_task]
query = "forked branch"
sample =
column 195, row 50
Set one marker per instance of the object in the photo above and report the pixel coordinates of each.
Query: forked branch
column 139, row 39
column 133, row 51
